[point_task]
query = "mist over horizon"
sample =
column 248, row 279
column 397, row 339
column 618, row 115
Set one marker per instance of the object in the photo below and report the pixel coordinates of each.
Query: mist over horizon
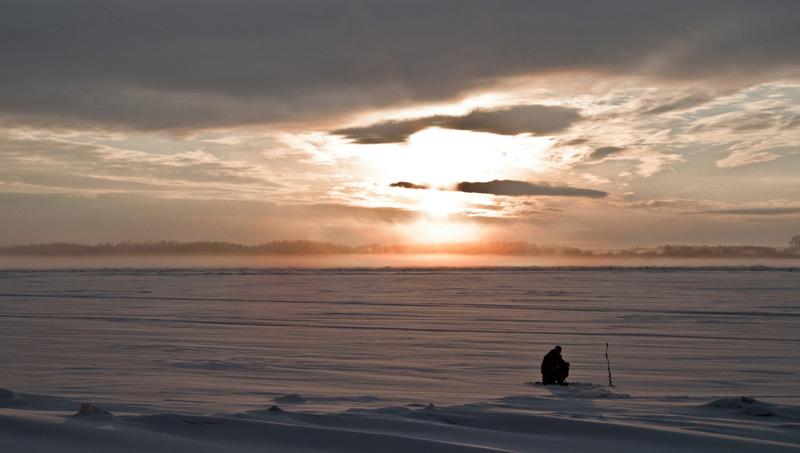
column 312, row 254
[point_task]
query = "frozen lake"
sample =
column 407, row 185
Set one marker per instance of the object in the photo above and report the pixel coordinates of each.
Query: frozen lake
column 208, row 339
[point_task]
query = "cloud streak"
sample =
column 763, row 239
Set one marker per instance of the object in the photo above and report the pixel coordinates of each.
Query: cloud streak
column 675, row 104
column 753, row 211
column 523, row 119
column 514, row 188
column 408, row 185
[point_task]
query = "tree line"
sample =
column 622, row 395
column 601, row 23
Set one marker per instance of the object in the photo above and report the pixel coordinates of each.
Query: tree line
column 300, row 247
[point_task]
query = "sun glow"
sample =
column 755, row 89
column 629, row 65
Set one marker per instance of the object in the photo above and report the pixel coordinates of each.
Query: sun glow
column 437, row 231
column 436, row 160
column 443, row 157
column 439, row 204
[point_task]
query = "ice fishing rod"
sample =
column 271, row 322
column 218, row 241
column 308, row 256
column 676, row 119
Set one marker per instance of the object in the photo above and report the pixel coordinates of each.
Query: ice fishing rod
column 608, row 363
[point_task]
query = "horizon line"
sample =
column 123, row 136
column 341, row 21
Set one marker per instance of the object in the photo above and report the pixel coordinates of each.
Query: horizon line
column 312, row 247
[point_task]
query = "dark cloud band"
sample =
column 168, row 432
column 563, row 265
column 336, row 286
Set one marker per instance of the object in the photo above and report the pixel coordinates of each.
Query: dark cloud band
column 179, row 64
column 523, row 188
column 523, row 119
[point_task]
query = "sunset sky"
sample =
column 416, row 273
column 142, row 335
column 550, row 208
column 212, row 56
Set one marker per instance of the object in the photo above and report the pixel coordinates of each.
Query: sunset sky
column 595, row 124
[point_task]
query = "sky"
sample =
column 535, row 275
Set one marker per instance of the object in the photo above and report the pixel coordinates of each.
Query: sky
column 592, row 124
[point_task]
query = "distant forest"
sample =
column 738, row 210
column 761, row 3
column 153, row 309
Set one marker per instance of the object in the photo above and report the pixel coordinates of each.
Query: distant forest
column 327, row 248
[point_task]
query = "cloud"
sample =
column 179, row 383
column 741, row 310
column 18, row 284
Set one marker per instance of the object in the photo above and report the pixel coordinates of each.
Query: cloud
column 408, row 185
column 55, row 164
column 530, row 119
column 671, row 204
column 574, row 142
column 676, row 104
column 792, row 122
column 523, row 188
column 753, row 211
column 47, row 217
column 747, row 120
column 746, row 157
column 751, row 126
column 603, row 152
column 187, row 65
column 360, row 213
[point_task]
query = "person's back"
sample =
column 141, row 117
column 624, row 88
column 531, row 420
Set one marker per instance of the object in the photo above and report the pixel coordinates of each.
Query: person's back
column 554, row 368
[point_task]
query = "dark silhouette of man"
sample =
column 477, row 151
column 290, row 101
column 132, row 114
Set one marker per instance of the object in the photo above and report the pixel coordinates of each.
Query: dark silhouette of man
column 554, row 368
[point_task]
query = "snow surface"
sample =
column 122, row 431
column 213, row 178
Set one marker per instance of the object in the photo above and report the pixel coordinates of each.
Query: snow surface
column 399, row 359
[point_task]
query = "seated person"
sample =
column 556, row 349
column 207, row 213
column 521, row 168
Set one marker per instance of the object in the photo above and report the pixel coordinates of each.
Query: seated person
column 554, row 368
